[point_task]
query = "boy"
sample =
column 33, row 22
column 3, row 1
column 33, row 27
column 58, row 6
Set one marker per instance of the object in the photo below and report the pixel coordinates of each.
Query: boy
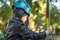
column 16, row 28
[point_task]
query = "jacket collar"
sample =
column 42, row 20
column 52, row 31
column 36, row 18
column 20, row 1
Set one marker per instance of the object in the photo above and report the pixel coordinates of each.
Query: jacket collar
column 17, row 19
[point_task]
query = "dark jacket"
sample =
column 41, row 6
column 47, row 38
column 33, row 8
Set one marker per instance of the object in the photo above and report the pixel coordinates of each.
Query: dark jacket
column 16, row 30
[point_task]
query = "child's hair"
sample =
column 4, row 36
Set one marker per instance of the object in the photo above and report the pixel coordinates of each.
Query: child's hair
column 19, row 12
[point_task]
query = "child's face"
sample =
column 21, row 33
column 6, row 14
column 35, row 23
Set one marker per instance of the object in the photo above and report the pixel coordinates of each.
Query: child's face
column 24, row 18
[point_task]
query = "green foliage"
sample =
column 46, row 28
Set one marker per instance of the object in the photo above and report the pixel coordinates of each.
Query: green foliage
column 54, row 14
column 2, row 36
column 35, row 11
column 1, row 27
column 57, row 30
column 5, row 12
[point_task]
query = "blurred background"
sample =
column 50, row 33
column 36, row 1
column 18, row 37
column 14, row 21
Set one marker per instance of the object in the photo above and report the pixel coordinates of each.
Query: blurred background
column 44, row 13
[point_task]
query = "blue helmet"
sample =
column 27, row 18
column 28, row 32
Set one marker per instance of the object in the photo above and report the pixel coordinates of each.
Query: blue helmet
column 24, row 5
